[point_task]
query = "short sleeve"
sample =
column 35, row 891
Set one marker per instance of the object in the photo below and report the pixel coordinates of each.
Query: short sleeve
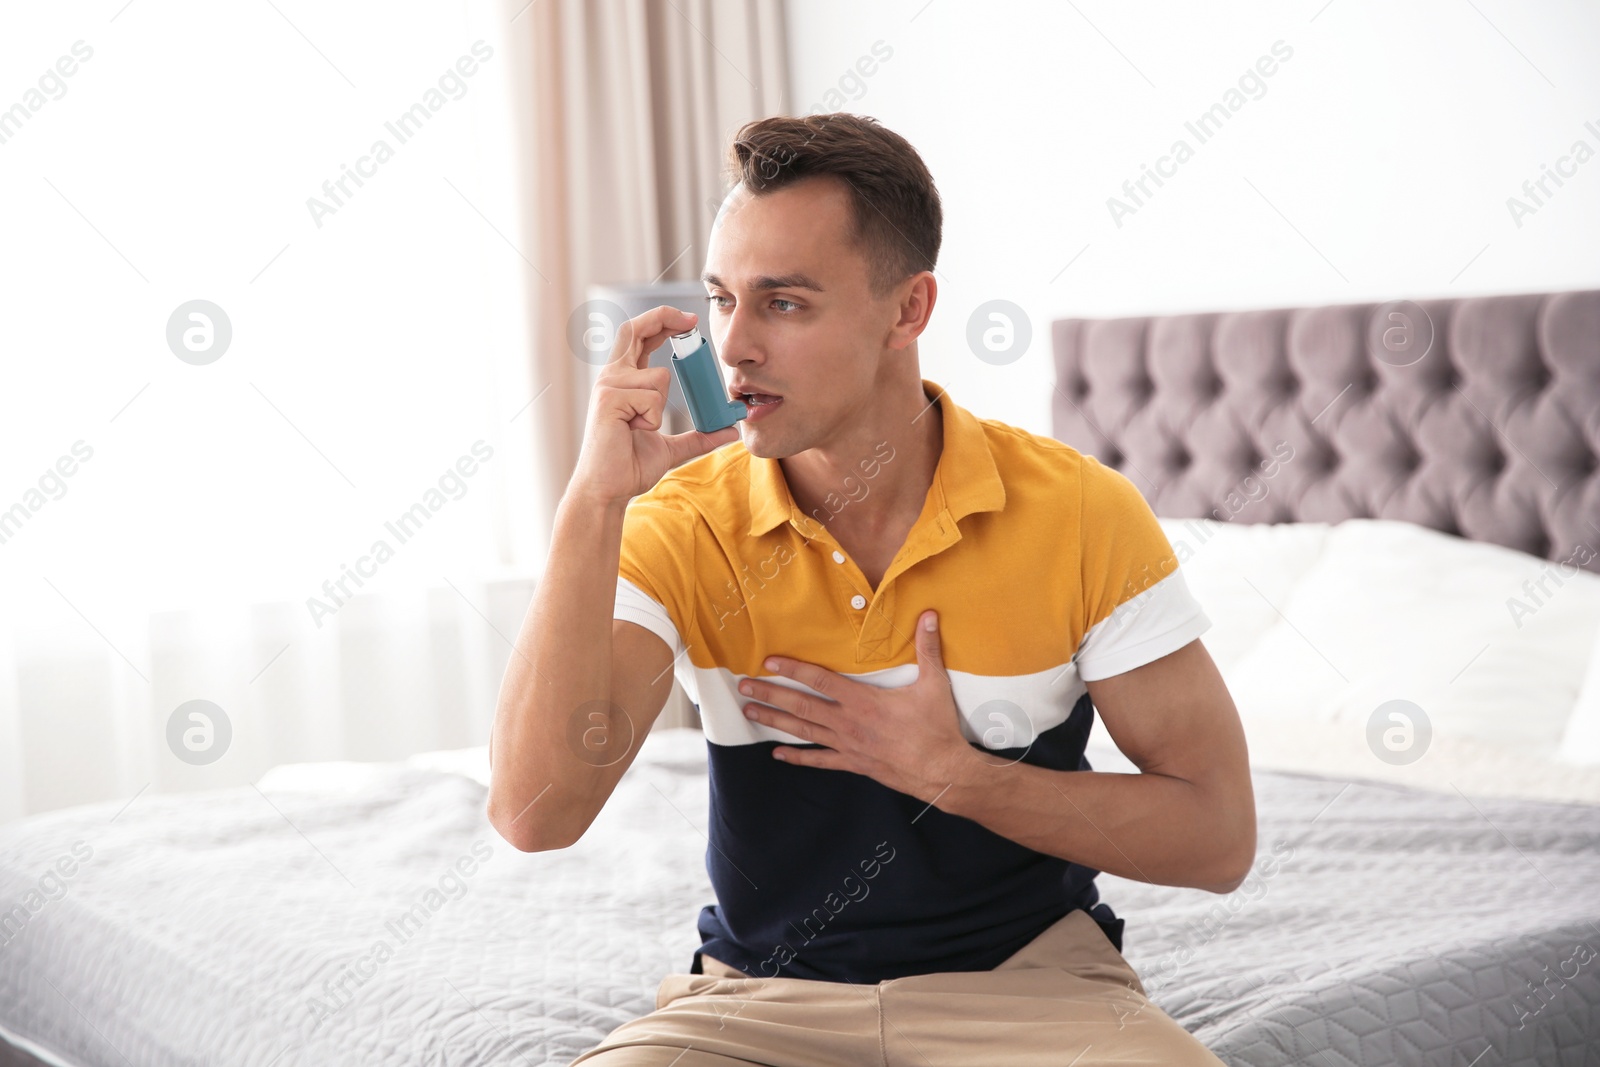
column 1136, row 605
column 655, row 573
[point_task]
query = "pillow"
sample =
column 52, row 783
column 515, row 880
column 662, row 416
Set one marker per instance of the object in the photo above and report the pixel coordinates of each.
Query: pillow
column 1217, row 558
column 1407, row 613
column 1327, row 624
column 1394, row 611
column 1581, row 742
column 1447, row 765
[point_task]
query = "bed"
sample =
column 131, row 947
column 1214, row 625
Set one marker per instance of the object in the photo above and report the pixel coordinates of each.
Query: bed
column 1355, row 498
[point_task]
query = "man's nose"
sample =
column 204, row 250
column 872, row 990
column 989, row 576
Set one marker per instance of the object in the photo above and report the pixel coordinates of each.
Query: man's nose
column 740, row 340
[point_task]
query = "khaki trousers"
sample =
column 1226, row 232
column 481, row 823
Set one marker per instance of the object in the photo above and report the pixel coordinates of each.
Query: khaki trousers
column 1065, row 999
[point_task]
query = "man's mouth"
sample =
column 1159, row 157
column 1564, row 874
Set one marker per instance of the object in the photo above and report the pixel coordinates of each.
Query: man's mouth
column 759, row 399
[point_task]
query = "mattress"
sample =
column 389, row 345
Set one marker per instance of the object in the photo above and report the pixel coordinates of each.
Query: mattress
column 369, row 914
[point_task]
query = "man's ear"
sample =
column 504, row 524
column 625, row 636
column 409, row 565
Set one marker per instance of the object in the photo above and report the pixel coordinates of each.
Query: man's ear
column 914, row 299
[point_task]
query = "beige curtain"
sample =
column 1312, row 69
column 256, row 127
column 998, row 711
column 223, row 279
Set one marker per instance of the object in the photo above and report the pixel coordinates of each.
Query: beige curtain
column 625, row 112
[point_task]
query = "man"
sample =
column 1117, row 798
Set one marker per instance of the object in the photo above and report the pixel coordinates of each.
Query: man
column 897, row 621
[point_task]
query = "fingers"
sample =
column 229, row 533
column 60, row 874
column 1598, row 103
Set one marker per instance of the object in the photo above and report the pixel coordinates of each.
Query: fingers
column 929, row 653
column 643, row 334
column 641, row 409
column 813, row 707
column 623, row 390
column 802, row 725
column 928, row 632
column 657, row 378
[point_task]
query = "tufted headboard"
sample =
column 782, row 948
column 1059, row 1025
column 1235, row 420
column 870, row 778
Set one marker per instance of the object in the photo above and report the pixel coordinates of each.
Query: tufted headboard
column 1479, row 417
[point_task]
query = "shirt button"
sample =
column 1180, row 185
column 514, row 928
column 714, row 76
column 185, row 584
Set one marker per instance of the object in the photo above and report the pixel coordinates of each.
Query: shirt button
column 858, row 601
column 838, row 557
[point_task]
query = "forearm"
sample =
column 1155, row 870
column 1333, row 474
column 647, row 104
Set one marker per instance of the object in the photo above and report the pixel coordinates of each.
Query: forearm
column 561, row 663
column 1149, row 827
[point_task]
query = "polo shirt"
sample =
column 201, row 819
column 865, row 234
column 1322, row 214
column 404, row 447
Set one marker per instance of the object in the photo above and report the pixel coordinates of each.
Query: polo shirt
column 1047, row 568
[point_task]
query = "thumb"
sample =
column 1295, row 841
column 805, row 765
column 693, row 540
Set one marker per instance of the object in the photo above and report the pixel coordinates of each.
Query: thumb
column 686, row 446
column 930, row 657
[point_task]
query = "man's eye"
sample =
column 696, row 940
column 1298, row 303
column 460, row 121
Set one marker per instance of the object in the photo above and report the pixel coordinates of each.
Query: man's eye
column 789, row 310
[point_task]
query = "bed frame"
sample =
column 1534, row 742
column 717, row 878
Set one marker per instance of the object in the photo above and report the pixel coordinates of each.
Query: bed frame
column 1479, row 417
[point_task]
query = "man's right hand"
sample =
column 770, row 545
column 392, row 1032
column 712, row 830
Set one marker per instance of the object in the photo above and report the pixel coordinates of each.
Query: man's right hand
column 624, row 451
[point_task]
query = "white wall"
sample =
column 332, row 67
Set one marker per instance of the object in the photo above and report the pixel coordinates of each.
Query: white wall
column 165, row 524
column 1377, row 163
column 178, row 161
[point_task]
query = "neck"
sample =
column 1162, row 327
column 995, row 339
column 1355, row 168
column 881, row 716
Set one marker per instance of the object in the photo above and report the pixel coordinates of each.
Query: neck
column 878, row 478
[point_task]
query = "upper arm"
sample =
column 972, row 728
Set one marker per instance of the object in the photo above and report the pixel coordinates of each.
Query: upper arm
column 1159, row 693
column 641, row 676
column 650, row 625
column 607, row 739
column 641, row 681
column 653, row 610
column 1175, row 716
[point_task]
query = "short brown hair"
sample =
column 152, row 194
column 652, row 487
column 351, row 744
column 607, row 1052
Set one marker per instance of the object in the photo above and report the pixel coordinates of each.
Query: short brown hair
column 895, row 206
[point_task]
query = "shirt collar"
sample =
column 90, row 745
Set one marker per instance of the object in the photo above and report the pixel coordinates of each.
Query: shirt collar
column 966, row 478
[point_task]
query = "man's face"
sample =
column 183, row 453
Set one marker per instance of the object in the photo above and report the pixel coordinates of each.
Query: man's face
column 817, row 348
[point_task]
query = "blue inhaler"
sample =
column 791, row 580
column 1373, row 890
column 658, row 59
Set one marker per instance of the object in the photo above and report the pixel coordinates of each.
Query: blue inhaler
column 696, row 370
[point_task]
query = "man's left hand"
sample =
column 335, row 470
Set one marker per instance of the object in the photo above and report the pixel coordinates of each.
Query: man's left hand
column 908, row 739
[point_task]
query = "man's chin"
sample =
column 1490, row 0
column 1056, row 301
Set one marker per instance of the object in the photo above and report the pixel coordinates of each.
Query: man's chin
column 763, row 446
column 761, row 449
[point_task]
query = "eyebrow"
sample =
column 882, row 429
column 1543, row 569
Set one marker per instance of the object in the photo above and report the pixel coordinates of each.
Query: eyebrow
column 768, row 281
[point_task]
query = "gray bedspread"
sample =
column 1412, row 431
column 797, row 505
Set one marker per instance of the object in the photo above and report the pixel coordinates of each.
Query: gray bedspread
column 384, row 922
